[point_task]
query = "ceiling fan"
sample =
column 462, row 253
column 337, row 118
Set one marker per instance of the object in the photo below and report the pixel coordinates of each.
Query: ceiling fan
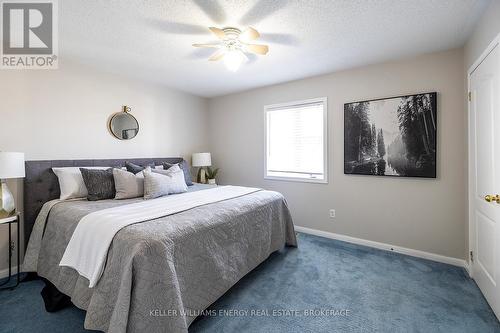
column 233, row 46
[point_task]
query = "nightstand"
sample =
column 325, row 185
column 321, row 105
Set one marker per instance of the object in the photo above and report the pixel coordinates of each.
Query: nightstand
column 10, row 220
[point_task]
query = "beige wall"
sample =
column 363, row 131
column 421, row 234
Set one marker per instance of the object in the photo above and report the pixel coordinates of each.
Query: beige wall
column 63, row 114
column 422, row 214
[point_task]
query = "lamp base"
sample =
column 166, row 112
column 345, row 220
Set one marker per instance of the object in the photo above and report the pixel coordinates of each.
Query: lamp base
column 202, row 179
column 7, row 204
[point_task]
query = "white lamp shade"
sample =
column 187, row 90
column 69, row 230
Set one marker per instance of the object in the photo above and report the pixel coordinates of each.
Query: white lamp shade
column 11, row 165
column 201, row 159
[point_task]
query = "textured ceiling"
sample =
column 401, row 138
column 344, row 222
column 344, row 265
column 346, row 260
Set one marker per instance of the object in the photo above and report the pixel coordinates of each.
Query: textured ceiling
column 151, row 39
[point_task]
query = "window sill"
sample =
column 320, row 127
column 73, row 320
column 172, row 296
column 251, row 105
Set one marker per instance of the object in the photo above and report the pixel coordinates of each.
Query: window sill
column 299, row 180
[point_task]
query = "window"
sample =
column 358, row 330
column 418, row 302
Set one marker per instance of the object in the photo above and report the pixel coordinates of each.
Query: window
column 296, row 141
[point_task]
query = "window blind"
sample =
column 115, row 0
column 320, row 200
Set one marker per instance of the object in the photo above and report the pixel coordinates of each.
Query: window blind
column 295, row 141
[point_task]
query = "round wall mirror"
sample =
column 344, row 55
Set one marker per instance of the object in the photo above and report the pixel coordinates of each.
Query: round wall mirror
column 123, row 125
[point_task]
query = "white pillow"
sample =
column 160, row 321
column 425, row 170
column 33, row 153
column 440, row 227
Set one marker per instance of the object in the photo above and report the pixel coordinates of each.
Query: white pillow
column 127, row 184
column 177, row 183
column 158, row 183
column 71, row 182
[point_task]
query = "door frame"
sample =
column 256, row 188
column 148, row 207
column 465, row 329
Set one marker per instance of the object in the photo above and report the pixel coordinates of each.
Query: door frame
column 470, row 159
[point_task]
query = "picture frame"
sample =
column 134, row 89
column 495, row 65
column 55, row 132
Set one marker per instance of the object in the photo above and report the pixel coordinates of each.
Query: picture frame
column 393, row 136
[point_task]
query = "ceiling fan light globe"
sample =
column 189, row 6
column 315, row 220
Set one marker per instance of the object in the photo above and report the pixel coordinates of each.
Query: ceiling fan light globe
column 233, row 60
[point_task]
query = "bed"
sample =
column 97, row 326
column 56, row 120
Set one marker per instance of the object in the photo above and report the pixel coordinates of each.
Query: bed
column 159, row 274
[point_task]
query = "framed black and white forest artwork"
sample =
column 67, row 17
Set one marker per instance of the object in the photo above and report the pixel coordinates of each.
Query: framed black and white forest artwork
column 392, row 136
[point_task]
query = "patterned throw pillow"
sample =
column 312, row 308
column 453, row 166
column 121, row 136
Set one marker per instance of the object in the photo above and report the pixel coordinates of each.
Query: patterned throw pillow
column 100, row 183
column 158, row 183
column 184, row 167
column 127, row 184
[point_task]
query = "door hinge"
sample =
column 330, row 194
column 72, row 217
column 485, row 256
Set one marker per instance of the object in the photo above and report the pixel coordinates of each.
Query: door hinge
column 471, row 256
column 470, row 96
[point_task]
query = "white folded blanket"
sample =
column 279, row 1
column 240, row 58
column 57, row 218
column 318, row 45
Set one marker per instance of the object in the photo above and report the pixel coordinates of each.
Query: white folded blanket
column 87, row 250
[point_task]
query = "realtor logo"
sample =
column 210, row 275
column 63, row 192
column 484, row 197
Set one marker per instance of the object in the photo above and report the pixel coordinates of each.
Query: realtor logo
column 29, row 34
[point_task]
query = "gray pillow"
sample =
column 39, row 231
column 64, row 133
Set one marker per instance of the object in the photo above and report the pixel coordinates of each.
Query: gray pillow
column 134, row 168
column 184, row 167
column 127, row 184
column 158, row 183
column 100, row 183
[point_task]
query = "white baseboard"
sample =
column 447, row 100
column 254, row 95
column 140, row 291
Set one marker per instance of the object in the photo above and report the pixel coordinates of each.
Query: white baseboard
column 467, row 268
column 386, row 247
column 5, row 272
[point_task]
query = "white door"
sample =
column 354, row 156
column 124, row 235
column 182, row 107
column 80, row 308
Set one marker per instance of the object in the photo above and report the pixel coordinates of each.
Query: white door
column 484, row 164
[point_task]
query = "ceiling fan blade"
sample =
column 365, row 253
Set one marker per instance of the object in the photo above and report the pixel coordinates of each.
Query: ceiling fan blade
column 218, row 32
column 216, row 46
column 250, row 34
column 259, row 49
column 218, row 55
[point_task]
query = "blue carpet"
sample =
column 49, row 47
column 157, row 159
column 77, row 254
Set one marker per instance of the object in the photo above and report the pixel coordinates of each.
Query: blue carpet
column 350, row 288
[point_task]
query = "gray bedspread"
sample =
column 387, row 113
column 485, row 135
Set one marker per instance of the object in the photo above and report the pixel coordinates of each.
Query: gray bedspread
column 161, row 273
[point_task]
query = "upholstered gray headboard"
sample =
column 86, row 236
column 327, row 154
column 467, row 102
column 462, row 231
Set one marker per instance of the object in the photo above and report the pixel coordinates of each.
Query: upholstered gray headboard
column 41, row 184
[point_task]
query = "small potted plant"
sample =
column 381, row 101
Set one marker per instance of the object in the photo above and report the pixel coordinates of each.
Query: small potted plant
column 211, row 174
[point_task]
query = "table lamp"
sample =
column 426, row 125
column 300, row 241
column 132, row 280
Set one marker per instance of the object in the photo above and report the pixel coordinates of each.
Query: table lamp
column 201, row 160
column 11, row 166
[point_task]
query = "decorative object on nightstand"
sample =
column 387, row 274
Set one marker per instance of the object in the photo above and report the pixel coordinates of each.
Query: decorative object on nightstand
column 10, row 220
column 201, row 161
column 211, row 175
column 11, row 166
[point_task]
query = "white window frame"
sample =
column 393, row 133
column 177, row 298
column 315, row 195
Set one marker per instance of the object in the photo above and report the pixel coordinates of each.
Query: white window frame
column 271, row 107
